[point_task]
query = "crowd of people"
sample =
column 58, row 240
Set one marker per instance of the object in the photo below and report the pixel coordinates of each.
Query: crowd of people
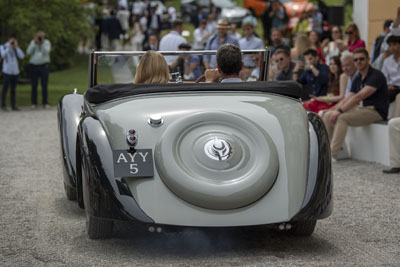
column 341, row 81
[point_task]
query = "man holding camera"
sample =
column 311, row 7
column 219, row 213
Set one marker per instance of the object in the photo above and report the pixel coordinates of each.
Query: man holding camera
column 10, row 52
column 39, row 50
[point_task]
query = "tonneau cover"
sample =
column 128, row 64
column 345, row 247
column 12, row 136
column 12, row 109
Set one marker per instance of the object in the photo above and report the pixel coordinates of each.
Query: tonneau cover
column 106, row 92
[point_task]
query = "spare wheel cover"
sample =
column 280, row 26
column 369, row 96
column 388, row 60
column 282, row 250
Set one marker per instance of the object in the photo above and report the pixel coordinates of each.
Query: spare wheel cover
column 233, row 181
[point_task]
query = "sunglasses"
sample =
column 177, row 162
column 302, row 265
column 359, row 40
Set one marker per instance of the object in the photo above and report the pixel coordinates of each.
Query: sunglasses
column 349, row 32
column 361, row 59
column 279, row 59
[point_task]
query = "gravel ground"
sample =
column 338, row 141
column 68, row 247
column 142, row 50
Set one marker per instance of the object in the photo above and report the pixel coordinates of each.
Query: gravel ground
column 40, row 227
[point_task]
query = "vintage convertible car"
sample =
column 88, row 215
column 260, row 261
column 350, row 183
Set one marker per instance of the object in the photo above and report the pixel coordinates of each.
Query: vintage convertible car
column 191, row 154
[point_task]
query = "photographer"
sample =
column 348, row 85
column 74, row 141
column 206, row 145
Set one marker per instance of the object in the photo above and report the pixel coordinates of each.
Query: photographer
column 10, row 52
column 39, row 50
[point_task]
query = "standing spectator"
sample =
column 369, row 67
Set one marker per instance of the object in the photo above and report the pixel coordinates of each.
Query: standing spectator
column 137, row 35
column 123, row 17
column 274, row 17
column 153, row 43
column 234, row 33
column 284, row 64
column 315, row 77
column 331, row 48
column 113, row 29
column 216, row 40
column 200, row 35
column 10, row 52
column 276, row 41
column 172, row 40
column 138, row 8
column 391, row 67
column 211, row 24
column 336, row 89
column 154, row 21
column 313, row 36
column 369, row 88
column 353, row 38
column 317, row 20
column 171, row 14
column 249, row 42
column 39, row 51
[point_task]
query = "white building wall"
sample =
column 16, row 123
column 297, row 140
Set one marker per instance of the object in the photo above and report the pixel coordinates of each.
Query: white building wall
column 360, row 16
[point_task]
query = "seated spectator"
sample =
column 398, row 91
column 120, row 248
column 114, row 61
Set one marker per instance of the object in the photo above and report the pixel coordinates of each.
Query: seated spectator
column 353, row 38
column 394, row 148
column 188, row 65
column 284, row 64
column 313, row 36
column 229, row 65
column 249, row 42
column 369, row 88
column 152, row 68
column 331, row 48
column 349, row 69
column 315, row 76
column 391, row 67
column 336, row 89
column 276, row 41
column 300, row 46
column 377, row 45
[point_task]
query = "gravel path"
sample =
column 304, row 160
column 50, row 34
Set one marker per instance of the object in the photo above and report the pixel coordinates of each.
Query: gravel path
column 40, row 227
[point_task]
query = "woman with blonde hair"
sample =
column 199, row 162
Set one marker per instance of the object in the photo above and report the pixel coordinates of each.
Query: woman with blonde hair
column 302, row 43
column 152, row 68
column 353, row 37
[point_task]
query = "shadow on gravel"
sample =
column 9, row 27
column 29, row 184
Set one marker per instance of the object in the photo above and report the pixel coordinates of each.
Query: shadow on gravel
column 68, row 208
column 195, row 243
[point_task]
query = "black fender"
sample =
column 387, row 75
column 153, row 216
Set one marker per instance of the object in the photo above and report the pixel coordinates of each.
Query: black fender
column 69, row 111
column 318, row 200
column 104, row 195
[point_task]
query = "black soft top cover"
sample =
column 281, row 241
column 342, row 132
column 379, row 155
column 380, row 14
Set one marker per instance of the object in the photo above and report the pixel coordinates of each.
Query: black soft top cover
column 105, row 92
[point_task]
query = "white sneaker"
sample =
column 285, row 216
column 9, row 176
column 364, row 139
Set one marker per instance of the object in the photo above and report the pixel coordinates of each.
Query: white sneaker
column 333, row 159
column 344, row 152
column 33, row 106
column 46, row 106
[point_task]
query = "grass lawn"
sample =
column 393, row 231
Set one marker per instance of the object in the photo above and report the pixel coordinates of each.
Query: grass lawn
column 60, row 83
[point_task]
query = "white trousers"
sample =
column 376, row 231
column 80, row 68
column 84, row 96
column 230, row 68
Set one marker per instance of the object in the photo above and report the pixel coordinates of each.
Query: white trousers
column 394, row 142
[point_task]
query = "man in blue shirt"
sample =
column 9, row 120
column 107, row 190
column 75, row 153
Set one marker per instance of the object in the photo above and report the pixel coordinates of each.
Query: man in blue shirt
column 216, row 40
column 10, row 52
column 315, row 76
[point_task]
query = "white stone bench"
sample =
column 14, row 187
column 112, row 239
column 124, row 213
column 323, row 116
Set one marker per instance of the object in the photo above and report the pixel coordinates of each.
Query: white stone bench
column 368, row 143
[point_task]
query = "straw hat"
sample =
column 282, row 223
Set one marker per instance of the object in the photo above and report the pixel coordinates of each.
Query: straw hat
column 223, row 24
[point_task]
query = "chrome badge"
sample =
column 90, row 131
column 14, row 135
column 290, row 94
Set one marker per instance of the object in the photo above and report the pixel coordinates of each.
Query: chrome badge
column 218, row 149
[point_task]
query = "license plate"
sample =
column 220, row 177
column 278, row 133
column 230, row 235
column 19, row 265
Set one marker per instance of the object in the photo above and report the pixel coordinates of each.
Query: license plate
column 137, row 164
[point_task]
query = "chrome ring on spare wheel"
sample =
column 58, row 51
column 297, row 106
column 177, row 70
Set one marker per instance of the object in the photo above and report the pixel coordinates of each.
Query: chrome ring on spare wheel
column 217, row 160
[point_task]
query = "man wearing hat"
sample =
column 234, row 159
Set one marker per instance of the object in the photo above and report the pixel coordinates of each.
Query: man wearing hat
column 216, row 40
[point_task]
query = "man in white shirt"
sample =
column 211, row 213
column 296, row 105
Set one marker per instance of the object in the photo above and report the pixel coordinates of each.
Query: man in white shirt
column 249, row 42
column 172, row 40
column 391, row 67
column 200, row 35
column 138, row 8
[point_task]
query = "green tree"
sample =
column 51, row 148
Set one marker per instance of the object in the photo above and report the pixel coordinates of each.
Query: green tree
column 63, row 21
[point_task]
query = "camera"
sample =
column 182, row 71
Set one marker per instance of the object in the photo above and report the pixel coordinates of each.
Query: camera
column 12, row 42
column 40, row 38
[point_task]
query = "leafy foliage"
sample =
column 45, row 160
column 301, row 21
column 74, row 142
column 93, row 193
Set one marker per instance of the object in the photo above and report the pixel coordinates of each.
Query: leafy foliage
column 63, row 21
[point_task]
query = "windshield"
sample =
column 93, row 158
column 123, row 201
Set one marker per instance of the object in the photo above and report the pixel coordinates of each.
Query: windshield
column 186, row 66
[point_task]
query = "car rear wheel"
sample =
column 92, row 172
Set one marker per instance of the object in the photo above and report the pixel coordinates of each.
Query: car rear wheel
column 304, row 228
column 98, row 228
column 70, row 192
